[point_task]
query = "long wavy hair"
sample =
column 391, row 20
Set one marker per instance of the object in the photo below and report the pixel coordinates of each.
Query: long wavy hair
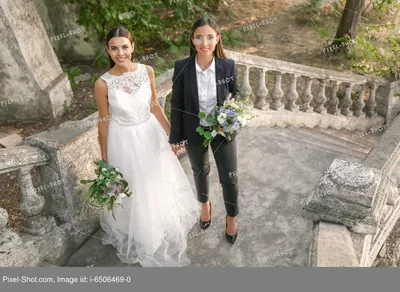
column 118, row 32
column 219, row 49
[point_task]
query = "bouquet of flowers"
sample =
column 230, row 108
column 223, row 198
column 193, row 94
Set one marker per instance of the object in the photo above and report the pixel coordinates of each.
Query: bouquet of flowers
column 224, row 119
column 108, row 188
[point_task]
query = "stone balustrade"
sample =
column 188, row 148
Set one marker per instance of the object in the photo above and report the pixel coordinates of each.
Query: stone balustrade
column 303, row 101
column 39, row 227
column 301, row 95
column 23, row 159
column 359, row 201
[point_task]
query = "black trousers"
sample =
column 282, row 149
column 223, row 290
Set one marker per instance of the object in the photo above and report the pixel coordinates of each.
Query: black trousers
column 225, row 155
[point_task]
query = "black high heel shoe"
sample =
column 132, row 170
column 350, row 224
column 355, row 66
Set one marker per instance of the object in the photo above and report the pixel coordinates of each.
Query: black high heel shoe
column 230, row 238
column 206, row 224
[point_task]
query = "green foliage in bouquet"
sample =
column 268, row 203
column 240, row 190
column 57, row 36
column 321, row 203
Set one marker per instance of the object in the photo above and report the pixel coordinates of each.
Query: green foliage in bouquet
column 224, row 120
column 108, row 188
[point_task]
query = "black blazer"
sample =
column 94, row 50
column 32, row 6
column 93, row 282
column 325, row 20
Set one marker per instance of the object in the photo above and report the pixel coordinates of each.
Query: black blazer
column 185, row 98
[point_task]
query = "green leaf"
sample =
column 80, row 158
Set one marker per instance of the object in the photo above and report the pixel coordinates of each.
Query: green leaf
column 207, row 135
column 84, row 181
column 201, row 115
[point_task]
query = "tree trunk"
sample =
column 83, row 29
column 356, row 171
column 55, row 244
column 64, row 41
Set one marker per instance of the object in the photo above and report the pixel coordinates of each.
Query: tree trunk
column 349, row 19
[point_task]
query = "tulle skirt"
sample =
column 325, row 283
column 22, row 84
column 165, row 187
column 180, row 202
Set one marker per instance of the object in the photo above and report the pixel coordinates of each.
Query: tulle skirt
column 151, row 226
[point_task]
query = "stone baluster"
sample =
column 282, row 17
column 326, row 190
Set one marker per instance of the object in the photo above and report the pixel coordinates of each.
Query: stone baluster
column 291, row 94
column 371, row 103
column 333, row 103
column 321, row 98
column 245, row 90
column 345, row 109
column 32, row 205
column 261, row 92
column 359, row 104
column 3, row 219
column 277, row 93
column 307, row 96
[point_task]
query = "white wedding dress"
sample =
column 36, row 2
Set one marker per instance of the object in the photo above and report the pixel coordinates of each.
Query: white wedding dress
column 151, row 226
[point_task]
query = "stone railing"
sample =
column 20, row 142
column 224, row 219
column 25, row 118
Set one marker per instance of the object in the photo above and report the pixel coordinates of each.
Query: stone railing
column 301, row 103
column 37, row 224
column 56, row 224
column 355, row 206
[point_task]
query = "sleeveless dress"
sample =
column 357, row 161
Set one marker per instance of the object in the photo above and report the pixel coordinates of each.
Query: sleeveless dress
column 152, row 225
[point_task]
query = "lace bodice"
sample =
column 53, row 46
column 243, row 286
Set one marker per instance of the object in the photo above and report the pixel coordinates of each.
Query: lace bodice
column 129, row 96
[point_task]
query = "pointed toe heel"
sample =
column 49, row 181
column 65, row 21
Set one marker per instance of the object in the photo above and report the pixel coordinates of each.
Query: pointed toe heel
column 206, row 224
column 231, row 238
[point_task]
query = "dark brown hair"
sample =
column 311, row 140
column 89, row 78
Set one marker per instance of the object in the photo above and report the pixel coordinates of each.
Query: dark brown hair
column 118, row 32
column 219, row 49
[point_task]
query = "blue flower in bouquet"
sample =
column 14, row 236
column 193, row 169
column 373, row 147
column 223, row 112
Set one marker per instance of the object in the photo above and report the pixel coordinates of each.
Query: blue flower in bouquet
column 226, row 119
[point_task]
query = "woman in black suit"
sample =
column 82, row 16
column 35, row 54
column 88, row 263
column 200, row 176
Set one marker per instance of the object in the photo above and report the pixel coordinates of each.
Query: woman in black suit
column 201, row 82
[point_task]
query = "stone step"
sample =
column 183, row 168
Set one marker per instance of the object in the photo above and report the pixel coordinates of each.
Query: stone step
column 333, row 146
column 365, row 142
column 278, row 169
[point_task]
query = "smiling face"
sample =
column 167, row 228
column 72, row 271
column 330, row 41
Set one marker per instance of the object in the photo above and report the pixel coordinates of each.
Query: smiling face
column 120, row 49
column 205, row 38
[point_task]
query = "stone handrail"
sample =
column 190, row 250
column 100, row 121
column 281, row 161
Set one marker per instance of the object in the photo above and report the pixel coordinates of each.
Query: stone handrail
column 23, row 159
column 307, row 102
column 312, row 107
column 355, row 206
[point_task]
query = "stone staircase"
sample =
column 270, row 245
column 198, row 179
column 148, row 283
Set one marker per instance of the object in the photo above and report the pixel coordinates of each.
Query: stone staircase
column 278, row 169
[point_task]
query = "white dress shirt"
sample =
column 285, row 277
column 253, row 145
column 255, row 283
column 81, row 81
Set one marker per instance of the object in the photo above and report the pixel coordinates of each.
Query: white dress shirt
column 207, row 89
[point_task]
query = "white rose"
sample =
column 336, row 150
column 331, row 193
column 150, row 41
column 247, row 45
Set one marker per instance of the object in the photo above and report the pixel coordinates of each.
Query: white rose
column 221, row 118
column 103, row 169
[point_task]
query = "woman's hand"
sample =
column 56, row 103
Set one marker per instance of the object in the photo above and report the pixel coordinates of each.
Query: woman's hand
column 177, row 148
column 104, row 157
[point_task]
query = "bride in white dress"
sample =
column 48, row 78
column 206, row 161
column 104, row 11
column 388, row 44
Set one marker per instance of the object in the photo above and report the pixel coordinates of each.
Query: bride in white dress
column 152, row 227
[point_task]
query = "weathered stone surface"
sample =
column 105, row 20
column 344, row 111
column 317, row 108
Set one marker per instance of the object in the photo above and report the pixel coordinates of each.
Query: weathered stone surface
column 13, row 158
column 32, row 85
column 382, row 252
column 344, row 195
column 393, row 196
column 31, row 251
column 73, row 149
column 10, row 140
column 383, row 263
column 393, row 101
column 385, row 156
column 335, row 247
column 3, row 218
column 286, row 118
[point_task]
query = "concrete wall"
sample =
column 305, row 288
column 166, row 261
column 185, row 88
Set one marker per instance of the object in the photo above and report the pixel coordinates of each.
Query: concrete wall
column 32, row 84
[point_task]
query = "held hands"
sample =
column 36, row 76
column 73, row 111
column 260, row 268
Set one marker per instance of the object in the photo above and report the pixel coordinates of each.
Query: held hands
column 178, row 148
